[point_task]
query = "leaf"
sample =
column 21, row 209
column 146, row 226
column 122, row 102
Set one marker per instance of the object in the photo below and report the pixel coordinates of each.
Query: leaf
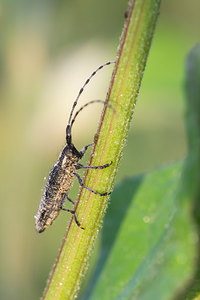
column 192, row 174
column 148, row 240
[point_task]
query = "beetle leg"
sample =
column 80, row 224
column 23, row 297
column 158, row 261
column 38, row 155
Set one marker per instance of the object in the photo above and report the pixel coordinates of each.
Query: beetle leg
column 70, row 200
column 74, row 215
column 79, row 166
column 83, row 150
column 82, row 185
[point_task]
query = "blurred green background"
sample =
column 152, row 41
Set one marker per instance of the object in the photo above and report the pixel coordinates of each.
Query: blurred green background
column 47, row 51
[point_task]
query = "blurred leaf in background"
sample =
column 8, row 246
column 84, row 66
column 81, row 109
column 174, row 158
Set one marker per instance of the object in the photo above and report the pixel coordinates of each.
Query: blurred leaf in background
column 48, row 49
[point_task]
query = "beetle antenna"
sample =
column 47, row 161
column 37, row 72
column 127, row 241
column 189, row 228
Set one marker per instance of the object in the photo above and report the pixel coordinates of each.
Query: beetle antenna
column 68, row 129
column 88, row 103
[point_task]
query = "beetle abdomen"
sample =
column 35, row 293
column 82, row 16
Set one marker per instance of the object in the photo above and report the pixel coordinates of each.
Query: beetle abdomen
column 58, row 184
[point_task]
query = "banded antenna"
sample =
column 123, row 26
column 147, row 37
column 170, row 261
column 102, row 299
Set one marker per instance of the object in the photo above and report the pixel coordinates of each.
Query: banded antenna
column 71, row 121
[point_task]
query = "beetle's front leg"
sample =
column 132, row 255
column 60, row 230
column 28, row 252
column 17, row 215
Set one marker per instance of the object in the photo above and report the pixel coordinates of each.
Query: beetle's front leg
column 82, row 151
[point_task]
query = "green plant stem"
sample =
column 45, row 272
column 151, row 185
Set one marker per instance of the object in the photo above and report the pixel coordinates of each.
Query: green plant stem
column 135, row 43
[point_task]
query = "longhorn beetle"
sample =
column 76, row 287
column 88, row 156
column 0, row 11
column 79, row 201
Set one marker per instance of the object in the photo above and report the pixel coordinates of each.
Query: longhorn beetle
column 62, row 173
